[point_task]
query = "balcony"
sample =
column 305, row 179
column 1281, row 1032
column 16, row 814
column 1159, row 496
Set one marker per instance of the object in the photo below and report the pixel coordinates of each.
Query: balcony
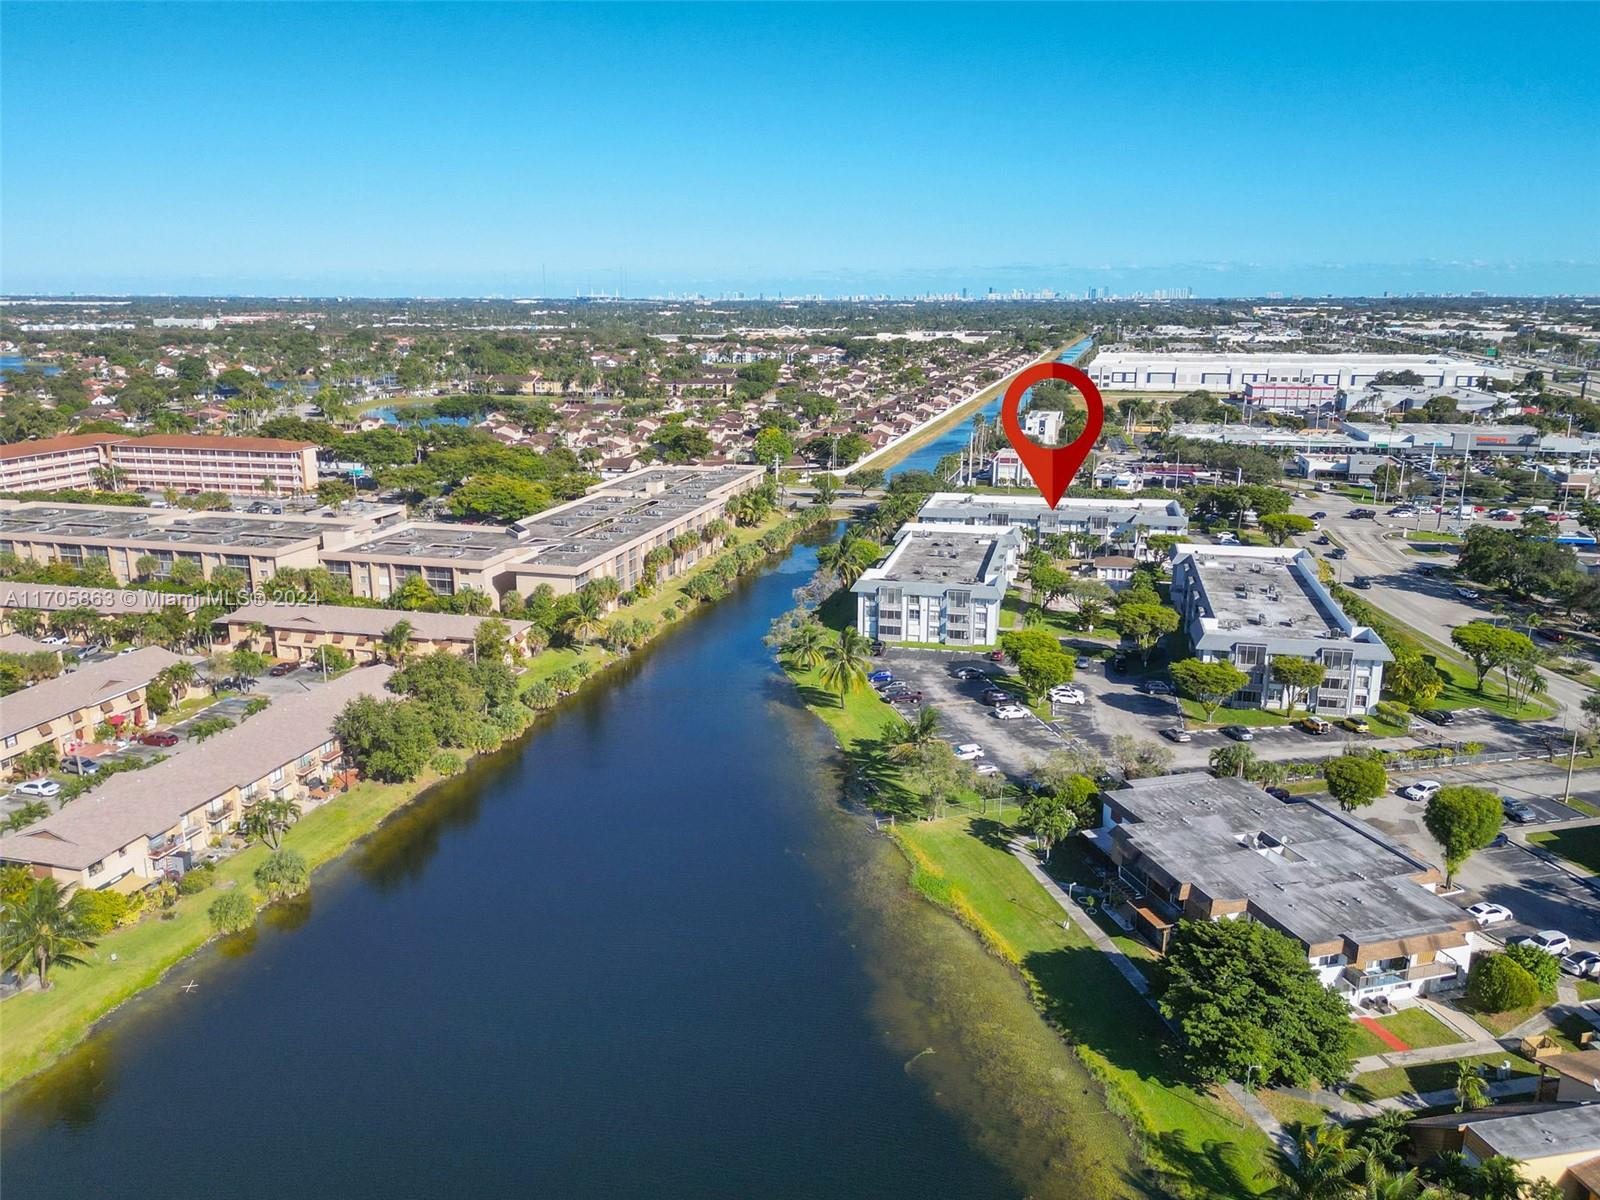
column 166, row 846
column 1367, row 979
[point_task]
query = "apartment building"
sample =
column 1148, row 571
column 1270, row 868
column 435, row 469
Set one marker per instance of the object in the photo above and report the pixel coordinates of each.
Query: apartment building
column 260, row 545
column 237, row 466
column 1365, row 911
column 299, row 631
column 608, row 532
column 448, row 558
column 939, row 584
column 1087, row 524
column 1248, row 605
column 136, row 826
column 108, row 602
column 53, row 464
column 63, row 712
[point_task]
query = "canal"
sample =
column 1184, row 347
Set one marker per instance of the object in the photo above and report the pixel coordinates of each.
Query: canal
column 925, row 458
column 645, row 952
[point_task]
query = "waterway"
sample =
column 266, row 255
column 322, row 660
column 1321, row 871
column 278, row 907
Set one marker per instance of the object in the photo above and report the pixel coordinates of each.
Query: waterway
column 925, row 458
column 646, row 952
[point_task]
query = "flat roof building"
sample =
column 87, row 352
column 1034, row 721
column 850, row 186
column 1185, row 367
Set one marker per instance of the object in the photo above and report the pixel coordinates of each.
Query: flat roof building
column 1090, row 523
column 1364, row 910
column 260, row 545
column 236, row 466
column 1158, row 371
column 1248, row 605
column 939, row 584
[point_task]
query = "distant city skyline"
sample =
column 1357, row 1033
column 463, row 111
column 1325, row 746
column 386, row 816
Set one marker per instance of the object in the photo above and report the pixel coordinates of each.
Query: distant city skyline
column 838, row 151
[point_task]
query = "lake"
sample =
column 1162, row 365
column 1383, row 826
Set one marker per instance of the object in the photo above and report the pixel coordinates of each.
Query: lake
column 645, row 952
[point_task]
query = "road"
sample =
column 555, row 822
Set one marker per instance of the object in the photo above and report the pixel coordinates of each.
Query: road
column 1375, row 549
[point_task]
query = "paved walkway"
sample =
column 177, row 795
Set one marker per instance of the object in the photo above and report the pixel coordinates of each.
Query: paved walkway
column 1346, row 1109
column 1428, row 1054
column 1246, row 1100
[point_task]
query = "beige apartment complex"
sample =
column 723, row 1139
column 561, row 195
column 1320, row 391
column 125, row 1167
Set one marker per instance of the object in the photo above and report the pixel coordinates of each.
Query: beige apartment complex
column 138, row 825
column 606, row 533
column 258, row 545
column 63, row 712
column 237, row 466
column 298, row 631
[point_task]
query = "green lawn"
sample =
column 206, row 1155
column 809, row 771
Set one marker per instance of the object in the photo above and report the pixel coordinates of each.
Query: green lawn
column 1428, row 1077
column 1254, row 717
column 1503, row 1023
column 1580, row 844
column 1433, row 535
column 41, row 1026
column 961, row 863
column 1416, row 1027
column 1292, row 1111
column 1588, row 989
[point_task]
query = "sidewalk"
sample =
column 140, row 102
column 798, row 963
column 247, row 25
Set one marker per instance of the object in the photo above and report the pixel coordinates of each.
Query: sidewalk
column 1345, row 1109
column 1428, row 1054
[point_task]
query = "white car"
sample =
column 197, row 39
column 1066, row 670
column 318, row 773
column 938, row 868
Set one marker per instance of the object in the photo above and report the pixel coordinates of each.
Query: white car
column 1010, row 712
column 1066, row 695
column 1583, row 964
column 55, row 640
column 1423, row 789
column 1551, row 941
column 969, row 751
column 42, row 789
column 988, row 769
column 1489, row 914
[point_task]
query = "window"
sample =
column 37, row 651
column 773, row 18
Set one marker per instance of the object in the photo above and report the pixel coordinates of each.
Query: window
column 239, row 562
column 11, row 741
column 96, row 868
column 440, row 579
column 959, row 599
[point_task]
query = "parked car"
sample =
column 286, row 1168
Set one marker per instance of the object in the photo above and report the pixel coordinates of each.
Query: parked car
column 1551, row 941
column 1423, row 790
column 1585, row 964
column 1337, row 552
column 966, row 673
column 1010, row 712
column 38, row 789
column 1238, row 733
column 969, row 751
column 877, row 648
column 995, row 696
column 1516, row 810
column 158, row 738
column 1119, row 662
column 1316, row 725
column 1361, row 582
column 1485, row 913
column 1466, row 593
column 997, row 656
column 1155, row 687
column 1356, row 724
column 80, row 765
column 1363, row 514
column 880, row 677
column 1324, row 540
column 279, row 670
column 1280, row 794
column 988, row 768
column 55, row 639
column 1319, row 516
column 1551, row 634
column 1439, row 716
column 1174, row 734
column 1082, row 661
column 1067, row 694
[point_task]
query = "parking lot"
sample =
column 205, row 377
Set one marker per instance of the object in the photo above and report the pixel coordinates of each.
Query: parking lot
column 1010, row 745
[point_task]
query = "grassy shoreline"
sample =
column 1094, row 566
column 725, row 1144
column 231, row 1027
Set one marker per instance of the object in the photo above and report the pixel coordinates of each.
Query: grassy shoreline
column 41, row 1027
column 960, row 864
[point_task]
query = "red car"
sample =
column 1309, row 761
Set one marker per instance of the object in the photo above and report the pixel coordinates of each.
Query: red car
column 158, row 739
column 997, row 656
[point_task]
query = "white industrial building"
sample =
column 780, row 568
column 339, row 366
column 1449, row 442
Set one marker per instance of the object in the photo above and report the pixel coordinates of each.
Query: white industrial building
column 939, row 585
column 1248, row 605
column 1146, row 371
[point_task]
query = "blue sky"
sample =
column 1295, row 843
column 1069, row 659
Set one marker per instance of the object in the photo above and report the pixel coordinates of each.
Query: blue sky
column 519, row 150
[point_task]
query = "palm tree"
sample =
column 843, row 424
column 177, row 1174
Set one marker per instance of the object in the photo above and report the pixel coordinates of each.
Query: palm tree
column 845, row 663
column 586, row 621
column 21, row 818
column 1383, row 1184
column 1319, row 1169
column 1471, row 1092
column 907, row 740
column 397, row 641
column 40, row 929
column 807, row 645
column 1233, row 760
column 1497, row 1178
column 270, row 819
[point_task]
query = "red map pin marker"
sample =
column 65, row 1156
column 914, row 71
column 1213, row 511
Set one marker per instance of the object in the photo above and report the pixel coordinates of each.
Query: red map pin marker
column 1053, row 469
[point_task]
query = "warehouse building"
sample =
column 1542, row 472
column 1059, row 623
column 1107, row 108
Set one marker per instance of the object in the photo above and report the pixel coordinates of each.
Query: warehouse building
column 1227, row 373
